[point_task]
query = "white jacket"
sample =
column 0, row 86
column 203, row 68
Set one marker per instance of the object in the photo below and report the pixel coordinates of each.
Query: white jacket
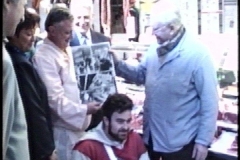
column 69, row 115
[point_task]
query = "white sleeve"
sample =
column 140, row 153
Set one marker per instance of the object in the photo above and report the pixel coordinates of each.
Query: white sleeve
column 144, row 156
column 76, row 155
column 71, row 111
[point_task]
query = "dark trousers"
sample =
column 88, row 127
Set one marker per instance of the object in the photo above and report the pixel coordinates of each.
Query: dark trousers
column 184, row 154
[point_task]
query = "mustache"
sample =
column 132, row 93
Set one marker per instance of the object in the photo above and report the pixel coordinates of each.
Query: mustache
column 124, row 130
column 85, row 23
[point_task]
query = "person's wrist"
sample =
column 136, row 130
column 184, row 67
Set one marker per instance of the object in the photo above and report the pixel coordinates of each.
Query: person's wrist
column 204, row 145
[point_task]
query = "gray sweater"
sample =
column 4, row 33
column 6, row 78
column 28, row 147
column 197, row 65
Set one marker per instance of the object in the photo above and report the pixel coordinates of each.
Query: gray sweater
column 15, row 139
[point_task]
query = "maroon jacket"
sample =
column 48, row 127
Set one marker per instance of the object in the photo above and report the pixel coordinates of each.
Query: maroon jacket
column 132, row 150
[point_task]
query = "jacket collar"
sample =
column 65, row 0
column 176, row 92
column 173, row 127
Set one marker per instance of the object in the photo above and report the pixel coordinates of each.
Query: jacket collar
column 14, row 50
column 174, row 53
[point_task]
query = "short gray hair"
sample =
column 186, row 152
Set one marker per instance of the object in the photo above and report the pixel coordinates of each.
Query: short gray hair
column 166, row 13
column 60, row 5
column 57, row 15
column 78, row 4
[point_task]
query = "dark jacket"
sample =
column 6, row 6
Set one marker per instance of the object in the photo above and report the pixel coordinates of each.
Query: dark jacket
column 35, row 101
column 14, row 126
column 96, row 38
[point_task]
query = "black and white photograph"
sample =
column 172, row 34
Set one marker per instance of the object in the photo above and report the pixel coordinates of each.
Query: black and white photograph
column 95, row 72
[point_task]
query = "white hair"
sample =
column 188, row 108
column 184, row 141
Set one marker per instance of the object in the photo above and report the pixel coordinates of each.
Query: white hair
column 165, row 12
column 63, row 5
column 76, row 5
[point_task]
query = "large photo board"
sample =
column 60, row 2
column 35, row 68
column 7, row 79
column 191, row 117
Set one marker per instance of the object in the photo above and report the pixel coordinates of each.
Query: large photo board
column 95, row 71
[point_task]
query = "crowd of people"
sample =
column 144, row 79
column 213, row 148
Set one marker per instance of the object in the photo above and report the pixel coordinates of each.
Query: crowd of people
column 44, row 118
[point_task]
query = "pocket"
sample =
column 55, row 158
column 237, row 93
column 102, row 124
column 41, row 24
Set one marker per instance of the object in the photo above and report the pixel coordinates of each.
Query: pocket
column 177, row 84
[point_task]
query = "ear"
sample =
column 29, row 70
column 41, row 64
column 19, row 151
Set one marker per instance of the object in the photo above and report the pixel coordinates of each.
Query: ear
column 52, row 30
column 6, row 4
column 106, row 121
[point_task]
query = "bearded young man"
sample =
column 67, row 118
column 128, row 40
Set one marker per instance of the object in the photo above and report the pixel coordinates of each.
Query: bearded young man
column 112, row 139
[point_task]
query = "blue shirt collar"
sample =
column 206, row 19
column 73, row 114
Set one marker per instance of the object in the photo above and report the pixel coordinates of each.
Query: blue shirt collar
column 13, row 49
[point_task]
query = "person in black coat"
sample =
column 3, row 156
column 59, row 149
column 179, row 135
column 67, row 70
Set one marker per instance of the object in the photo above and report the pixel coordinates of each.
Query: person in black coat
column 32, row 90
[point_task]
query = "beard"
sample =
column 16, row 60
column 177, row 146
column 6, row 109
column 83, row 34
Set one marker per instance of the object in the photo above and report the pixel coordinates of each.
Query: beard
column 115, row 136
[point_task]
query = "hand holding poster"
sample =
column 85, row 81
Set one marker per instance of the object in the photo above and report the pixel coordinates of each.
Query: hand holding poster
column 95, row 71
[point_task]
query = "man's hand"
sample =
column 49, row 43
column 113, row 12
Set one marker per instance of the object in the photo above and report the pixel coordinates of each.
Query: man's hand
column 93, row 107
column 53, row 156
column 199, row 152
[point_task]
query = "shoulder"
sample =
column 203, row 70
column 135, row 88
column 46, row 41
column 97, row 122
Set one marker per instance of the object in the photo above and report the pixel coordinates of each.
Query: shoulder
column 90, row 148
column 195, row 54
column 194, row 43
column 135, row 136
column 194, row 49
column 100, row 35
column 8, row 70
column 19, row 60
column 138, row 141
column 46, row 51
column 135, row 141
column 6, row 58
column 151, row 51
column 87, row 145
column 42, row 48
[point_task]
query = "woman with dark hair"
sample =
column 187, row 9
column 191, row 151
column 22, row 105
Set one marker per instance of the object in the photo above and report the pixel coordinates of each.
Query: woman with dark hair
column 32, row 90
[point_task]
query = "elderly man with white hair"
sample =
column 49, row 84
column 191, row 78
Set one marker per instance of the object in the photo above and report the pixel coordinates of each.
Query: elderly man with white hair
column 181, row 105
column 83, row 33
